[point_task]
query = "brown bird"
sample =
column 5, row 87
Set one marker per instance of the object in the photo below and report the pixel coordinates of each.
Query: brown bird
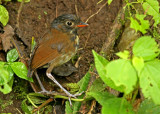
column 56, row 47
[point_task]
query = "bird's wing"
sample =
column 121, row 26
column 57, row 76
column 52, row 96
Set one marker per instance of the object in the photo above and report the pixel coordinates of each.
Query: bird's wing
column 50, row 47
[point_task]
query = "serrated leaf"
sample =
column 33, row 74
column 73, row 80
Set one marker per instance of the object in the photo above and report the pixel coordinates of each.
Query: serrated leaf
column 146, row 47
column 115, row 106
column 150, row 80
column 12, row 55
column 151, row 7
column 68, row 109
column 25, row 107
column 4, row 16
column 101, row 67
column 138, row 63
column 20, row 70
column 123, row 55
column 97, row 86
column 122, row 73
column 83, row 84
column 142, row 26
column 148, row 107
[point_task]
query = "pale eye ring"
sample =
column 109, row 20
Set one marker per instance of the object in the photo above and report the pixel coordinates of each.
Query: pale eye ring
column 69, row 23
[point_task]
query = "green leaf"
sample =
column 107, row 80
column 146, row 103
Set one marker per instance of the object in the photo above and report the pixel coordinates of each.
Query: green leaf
column 123, row 55
column 4, row 76
column 24, row 0
column 143, row 26
column 83, row 84
column 150, row 81
column 111, row 104
column 138, row 63
column 101, row 66
column 12, row 55
column 122, row 73
column 68, row 109
column 97, row 86
column 4, row 79
column 101, row 97
column 5, row 89
column 146, row 47
column 4, row 16
column 109, row 2
column 148, row 107
column 151, row 7
column 20, row 70
column 117, row 106
column 2, row 64
column 10, row 71
column 25, row 107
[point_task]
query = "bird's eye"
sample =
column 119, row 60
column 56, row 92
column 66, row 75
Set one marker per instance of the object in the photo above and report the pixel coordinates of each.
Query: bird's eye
column 69, row 23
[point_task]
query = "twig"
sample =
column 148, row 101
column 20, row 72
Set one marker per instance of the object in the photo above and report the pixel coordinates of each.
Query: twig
column 43, row 104
column 76, row 7
column 19, row 12
column 97, row 11
column 56, row 8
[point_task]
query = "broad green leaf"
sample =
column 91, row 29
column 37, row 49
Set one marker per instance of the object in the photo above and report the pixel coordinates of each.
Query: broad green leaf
column 4, row 16
column 150, row 80
column 2, row 64
column 12, row 55
column 101, row 67
column 117, row 106
column 24, row 0
column 4, row 76
column 20, row 70
column 10, row 71
column 148, row 107
column 146, row 47
column 151, row 7
column 122, row 73
column 100, row 63
column 138, row 63
column 123, row 55
column 5, row 89
column 142, row 26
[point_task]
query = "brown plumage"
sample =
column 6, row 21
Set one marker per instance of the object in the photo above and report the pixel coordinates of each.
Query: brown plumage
column 56, row 47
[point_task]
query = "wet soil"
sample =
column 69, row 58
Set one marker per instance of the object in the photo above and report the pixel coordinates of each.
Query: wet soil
column 35, row 19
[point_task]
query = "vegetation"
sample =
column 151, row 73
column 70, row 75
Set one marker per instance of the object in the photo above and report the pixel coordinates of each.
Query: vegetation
column 135, row 74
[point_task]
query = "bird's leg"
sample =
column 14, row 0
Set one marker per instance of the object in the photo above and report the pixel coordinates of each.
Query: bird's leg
column 41, row 85
column 49, row 75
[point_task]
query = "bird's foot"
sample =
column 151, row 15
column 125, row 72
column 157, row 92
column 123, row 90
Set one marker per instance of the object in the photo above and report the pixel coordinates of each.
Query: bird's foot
column 73, row 96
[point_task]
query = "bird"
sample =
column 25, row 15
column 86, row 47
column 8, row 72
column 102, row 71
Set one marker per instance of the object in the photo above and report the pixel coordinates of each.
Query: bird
column 56, row 47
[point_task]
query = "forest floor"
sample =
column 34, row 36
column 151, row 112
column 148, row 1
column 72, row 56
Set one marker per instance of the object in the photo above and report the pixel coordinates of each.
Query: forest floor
column 35, row 18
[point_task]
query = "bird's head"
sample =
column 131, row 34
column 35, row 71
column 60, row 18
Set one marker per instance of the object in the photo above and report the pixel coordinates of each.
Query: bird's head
column 68, row 23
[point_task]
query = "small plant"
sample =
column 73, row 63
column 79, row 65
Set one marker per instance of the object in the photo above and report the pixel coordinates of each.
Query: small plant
column 4, row 15
column 128, row 74
column 8, row 69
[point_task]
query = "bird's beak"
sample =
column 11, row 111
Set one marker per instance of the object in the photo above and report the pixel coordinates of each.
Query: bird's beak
column 82, row 24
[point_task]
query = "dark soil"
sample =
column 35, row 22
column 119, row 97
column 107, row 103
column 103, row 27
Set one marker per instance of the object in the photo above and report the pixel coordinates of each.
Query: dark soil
column 37, row 15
